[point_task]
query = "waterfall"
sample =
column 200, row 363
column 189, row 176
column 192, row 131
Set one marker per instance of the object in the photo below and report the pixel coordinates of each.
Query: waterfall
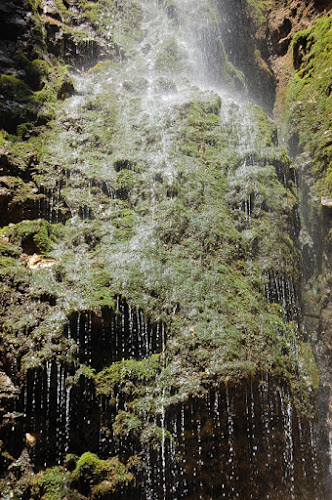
column 182, row 345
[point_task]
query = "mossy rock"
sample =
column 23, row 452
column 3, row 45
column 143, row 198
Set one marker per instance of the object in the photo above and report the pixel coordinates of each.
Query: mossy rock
column 126, row 424
column 32, row 236
column 128, row 372
column 308, row 105
column 14, row 88
column 52, row 484
column 97, row 477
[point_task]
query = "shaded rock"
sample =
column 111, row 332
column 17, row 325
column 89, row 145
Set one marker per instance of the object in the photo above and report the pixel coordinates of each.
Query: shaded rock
column 7, row 388
column 23, row 464
column 18, row 200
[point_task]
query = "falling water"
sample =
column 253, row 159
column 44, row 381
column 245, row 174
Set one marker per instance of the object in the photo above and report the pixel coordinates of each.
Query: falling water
column 287, row 411
column 214, row 437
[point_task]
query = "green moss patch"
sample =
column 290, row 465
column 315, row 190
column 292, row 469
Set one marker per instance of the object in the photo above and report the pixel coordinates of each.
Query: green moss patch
column 32, row 236
column 308, row 107
column 130, row 375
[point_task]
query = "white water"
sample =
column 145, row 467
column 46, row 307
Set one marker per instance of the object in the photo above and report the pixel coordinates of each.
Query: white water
column 146, row 130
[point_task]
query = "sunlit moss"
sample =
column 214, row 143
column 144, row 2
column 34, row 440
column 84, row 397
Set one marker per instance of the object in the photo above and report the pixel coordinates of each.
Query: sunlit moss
column 308, row 107
column 128, row 372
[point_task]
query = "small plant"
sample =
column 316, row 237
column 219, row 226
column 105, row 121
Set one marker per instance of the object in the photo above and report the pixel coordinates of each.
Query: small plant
column 52, row 484
column 126, row 423
column 99, row 478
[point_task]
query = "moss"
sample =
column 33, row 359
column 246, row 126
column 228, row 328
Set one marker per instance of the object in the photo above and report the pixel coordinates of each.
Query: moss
column 166, row 85
column 308, row 105
column 8, row 250
column 90, row 466
column 102, row 66
column 99, row 291
column 13, row 87
column 169, row 57
column 258, row 7
column 52, row 484
column 154, row 436
column 170, row 9
column 180, row 243
column 91, row 478
column 125, row 181
column 37, row 70
column 24, row 130
column 126, row 423
column 7, row 264
column 262, row 63
column 32, row 236
column 45, row 237
column 123, row 23
column 20, row 154
column 127, row 373
column 123, row 221
column 34, row 99
column 57, row 85
column 265, row 127
column 70, row 461
column 83, row 371
column 309, row 367
column 100, row 477
column 136, row 86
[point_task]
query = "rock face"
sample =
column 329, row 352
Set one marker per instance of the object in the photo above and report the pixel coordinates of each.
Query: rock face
column 156, row 333
column 304, row 108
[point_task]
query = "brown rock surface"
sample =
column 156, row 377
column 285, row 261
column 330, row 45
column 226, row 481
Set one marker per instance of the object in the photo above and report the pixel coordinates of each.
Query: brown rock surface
column 284, row 19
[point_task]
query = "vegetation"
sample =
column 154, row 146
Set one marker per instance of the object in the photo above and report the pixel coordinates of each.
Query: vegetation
column 31, row 236
column 130, row 375
column 258, row 8
column 308, row 106
column 91, row 478
column 182, row 204
column 51, row 485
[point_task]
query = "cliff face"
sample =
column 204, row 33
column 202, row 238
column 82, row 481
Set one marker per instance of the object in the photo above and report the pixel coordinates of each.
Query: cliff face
column 304, row 109
column 285, row 55
column 151, row 251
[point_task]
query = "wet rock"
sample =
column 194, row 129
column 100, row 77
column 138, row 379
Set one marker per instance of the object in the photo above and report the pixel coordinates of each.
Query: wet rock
column 7, row 388
column 18, row 200
column 245, row 44
column 22, row 465
column 326, row 201
column 30, row 440
column 35, row 262
column 80, row 419
column 51, row 9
